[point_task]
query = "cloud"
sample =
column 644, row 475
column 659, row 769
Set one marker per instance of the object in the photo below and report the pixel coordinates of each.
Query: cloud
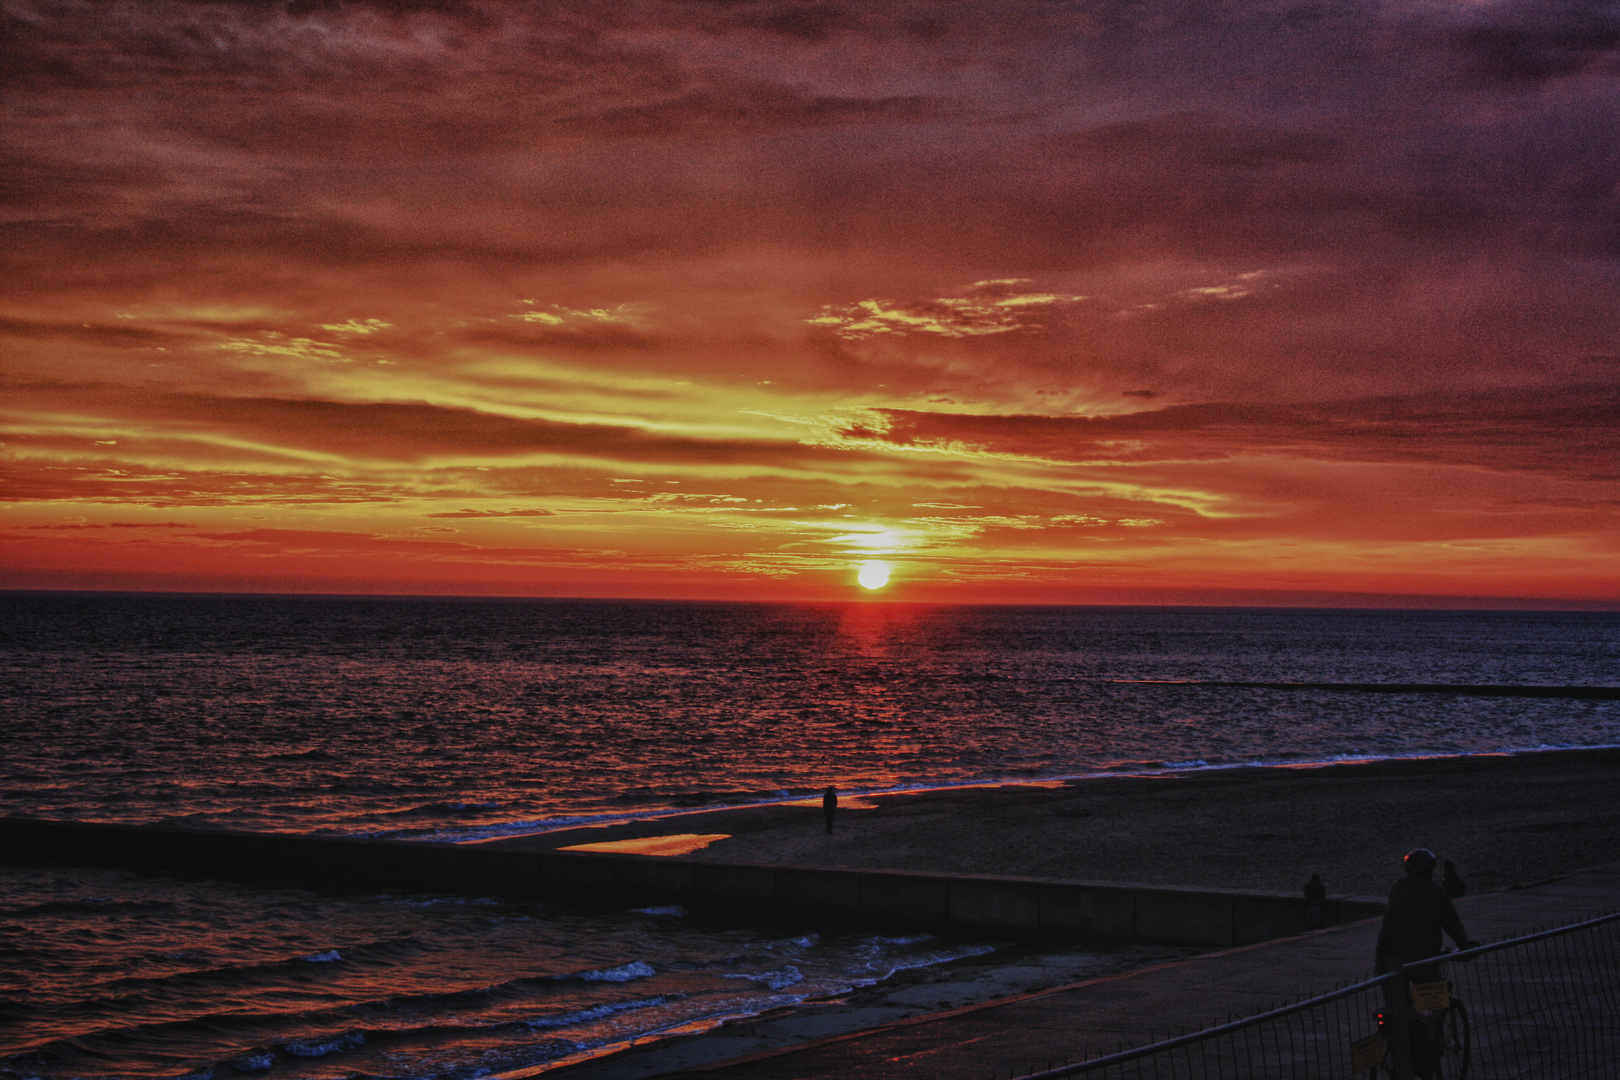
column 76, row 525
column 101, row 334
column 357, row 326
column 329, row 542
column 987, row 307
column 25, row 480
column 1014, row 140
column 271, row 343
column 407, row 432
column 1531, row 44
column 1572, row 432
column 559, row 315
column 491, row 514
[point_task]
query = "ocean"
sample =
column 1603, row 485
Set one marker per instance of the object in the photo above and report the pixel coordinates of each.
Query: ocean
column 452, row 719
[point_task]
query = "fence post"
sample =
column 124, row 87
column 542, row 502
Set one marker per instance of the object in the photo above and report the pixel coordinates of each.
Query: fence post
column 1398, row 1025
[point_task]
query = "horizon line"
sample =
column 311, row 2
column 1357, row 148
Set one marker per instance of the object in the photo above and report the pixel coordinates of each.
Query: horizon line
column 1350, row 601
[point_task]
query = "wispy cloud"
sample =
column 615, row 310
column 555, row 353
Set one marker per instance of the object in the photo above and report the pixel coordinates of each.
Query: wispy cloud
column 988, row 307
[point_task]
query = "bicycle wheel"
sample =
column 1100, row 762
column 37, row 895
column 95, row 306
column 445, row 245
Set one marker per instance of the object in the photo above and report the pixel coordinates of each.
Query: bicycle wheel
column 1456, row 1043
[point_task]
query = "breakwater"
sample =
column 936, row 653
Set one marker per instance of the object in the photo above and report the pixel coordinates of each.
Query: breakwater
column 1026, row 908
column 1579, row 693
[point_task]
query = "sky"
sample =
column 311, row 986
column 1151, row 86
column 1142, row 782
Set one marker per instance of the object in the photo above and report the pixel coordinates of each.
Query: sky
column 1127, row 301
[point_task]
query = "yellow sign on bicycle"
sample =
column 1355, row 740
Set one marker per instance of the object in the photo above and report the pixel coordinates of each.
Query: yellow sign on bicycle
column 1366, row 1053
column 1431, row 995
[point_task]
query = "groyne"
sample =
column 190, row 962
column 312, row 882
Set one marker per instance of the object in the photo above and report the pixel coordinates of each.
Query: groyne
column 1025, row 908
column 1580, row 693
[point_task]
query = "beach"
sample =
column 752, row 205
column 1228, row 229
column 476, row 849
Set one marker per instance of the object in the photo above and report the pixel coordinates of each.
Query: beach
column 1503, row 819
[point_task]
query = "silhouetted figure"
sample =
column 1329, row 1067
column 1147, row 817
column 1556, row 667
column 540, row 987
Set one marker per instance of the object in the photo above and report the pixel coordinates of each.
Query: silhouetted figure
column 1455, row 886
column 829, row 806
column 1315, row 901
column 1417, row 911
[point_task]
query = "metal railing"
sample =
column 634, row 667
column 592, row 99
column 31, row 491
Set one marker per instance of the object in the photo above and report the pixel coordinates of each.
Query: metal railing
column 1545, row 1005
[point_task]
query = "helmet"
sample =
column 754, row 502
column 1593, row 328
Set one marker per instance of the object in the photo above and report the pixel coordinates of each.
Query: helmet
column 1420, row 861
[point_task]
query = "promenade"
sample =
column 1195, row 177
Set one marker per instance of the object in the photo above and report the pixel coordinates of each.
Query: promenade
column 977, row 1042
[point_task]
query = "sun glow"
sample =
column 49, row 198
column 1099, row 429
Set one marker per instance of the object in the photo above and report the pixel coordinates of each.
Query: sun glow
column 874, row 575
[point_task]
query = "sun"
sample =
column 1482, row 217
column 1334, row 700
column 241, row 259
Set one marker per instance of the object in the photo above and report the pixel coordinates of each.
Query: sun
column 874, row 574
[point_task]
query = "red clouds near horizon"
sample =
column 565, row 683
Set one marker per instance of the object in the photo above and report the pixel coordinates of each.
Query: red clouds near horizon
column 1170, row 301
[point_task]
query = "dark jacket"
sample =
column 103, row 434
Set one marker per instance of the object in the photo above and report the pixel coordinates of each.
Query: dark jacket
column 1418, row 910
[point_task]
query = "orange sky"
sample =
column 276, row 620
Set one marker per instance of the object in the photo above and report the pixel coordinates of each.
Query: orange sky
column 1149, row 302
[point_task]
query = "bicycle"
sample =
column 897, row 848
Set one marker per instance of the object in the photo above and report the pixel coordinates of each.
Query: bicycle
column 1439, row 1036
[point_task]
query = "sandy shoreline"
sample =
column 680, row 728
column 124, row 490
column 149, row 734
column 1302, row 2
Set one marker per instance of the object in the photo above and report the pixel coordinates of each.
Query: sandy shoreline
column 1504, row 819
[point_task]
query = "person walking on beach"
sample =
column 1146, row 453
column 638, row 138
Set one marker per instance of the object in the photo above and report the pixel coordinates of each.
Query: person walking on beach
column 829, row 806
column 1455, row 886
column 1418, row 910
column 1315, row 901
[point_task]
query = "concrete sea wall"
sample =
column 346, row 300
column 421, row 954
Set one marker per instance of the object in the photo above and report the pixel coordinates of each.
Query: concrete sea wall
column 1027, row 908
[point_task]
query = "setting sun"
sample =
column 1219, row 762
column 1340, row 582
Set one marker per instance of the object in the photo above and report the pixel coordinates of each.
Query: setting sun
column 874, row 575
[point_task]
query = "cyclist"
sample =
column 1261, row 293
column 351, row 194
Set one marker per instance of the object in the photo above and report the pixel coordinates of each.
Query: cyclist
column 1418, row 910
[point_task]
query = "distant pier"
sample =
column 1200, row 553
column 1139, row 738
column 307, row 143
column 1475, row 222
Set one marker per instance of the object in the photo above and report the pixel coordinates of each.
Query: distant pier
column 1040, row 909
column 1579, row 693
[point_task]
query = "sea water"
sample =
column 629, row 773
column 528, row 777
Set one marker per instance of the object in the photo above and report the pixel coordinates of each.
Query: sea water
column 466, row 719
column 110, row 973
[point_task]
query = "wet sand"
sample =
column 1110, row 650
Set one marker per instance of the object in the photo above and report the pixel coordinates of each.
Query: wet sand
column 1504, row 819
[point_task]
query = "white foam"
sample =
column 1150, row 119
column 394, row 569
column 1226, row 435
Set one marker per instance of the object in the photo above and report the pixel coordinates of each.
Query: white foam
column 311, row 1048
column 777, row 979
column 944, row 956
column 635, row 969
column 674, row 911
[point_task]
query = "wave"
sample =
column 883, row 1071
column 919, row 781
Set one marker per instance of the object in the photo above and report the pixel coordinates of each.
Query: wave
column 118, row 995
column 481, row 996
column 777, row 978
column 90, row 905
column 446, row 901
column 635, row 969
column 302, row 755
column 314, row 1048
column 447, row 808
column 317, row 1034
column 597, row 1012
